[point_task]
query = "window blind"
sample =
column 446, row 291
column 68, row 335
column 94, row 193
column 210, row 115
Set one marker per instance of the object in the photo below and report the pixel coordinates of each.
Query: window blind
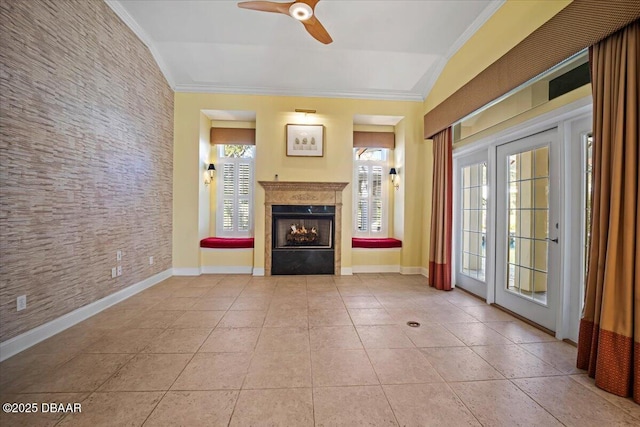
column 232, row 136
column 374, row 139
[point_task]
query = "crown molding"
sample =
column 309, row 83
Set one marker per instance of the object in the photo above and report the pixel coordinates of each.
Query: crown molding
column 130, row 22
column 238, row 90
column 123, row 14
column 464, row 37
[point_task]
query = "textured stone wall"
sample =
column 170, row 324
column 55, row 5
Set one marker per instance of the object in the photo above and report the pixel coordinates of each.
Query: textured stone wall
column 86, row 159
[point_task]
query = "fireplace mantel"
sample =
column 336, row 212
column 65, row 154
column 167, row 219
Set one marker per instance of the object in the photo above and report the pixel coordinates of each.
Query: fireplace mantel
column 302, row 186
column 302, row 193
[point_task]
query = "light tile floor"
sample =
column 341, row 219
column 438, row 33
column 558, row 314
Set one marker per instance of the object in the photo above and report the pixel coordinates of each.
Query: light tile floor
column 301, row 351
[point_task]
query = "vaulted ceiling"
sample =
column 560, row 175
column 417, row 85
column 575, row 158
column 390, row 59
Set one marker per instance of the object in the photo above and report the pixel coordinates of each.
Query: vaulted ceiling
column 380, row 49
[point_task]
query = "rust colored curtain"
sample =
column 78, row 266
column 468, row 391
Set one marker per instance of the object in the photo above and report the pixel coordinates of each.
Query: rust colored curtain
column 609, row 340
column 441, row 212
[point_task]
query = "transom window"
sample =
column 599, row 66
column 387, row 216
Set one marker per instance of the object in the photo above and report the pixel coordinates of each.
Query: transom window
column 234, row 217
column 370, row 194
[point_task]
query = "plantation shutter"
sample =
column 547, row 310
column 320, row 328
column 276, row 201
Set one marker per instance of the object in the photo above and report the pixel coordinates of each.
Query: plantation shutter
column 376, row 199
column 244, row 193
column 370, row 199
column 363, row 199
column 229, row 177
column 236, row 197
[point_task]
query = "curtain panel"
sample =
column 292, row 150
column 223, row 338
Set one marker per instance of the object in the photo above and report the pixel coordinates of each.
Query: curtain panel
column 441, row 212
column 609, row 340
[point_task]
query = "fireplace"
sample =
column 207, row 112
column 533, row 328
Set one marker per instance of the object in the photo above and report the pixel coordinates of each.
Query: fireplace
column 328, row 196
column 303, row 239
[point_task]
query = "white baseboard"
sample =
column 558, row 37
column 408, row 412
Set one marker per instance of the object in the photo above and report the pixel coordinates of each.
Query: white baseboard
column 410, row 270
column 222, row 250
column 376, row 249
column 186, row 271
column 32, row 337
column 258, row 271
column 346, row 271
column 227, row 269
column 376, row 268
column 425, row 272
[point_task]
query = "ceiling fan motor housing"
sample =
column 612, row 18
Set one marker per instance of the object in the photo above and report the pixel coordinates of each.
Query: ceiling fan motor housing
column 300, row 11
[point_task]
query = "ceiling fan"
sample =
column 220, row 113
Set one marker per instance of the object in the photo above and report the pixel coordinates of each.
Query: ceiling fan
column 302, row 10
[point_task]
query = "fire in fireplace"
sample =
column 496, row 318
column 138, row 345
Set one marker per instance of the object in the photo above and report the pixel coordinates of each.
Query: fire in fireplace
column 299, row 235
column 303, row 232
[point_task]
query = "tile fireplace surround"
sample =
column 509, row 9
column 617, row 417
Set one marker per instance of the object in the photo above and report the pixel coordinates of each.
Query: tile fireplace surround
column 302, row 193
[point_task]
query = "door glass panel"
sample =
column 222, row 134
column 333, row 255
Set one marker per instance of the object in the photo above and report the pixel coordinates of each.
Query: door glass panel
column 540, row 255
column 465, row 263
column 541, row 188
column 474, row 214
column 526, row 194
column 525, row 257
column 542, row 223
column 528, row 222
column 542, row 162
column 514, row 250
column 525, row 227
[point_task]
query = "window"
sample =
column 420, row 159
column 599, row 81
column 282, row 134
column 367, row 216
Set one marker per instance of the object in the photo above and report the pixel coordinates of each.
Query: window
column 563, row 78
column 370, row 194
column 234, row 217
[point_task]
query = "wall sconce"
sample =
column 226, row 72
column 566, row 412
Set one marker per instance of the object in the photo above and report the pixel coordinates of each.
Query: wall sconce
column 211, row 169
column 394, row 174
column 306, row 113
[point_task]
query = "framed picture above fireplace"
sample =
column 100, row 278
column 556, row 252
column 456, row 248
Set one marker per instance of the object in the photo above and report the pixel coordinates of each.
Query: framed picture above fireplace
column 305, row 140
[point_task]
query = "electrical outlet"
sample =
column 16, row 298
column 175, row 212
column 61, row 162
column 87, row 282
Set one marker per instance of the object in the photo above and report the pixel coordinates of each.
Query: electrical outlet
column 114, row 272
column 21, row 302
column 150, row 260
column 119, row 256
column 119, row 270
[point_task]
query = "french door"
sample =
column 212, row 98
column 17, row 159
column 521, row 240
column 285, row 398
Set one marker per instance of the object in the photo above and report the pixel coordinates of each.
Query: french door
column 473, row 254
column 527, row 227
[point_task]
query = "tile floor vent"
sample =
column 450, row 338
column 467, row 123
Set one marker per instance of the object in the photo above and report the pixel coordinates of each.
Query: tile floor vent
column 413, row 324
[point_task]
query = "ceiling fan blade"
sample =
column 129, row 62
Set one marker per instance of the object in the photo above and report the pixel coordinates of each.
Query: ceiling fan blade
column 317, row 31
column 266, row 6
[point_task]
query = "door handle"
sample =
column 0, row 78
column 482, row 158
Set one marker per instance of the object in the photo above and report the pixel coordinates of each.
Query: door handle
column 553, row 240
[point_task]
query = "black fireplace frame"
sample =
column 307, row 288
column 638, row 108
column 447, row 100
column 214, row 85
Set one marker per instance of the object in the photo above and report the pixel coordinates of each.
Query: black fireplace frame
column 297, row 260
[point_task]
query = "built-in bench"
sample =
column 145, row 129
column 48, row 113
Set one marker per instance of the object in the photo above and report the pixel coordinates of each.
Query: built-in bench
column 223, row 255
column 371, row 255
column 227, row 243
column 374, row 243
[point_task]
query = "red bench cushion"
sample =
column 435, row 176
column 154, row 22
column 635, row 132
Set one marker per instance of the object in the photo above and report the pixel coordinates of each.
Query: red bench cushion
column 375, row 243
column 226, row 243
